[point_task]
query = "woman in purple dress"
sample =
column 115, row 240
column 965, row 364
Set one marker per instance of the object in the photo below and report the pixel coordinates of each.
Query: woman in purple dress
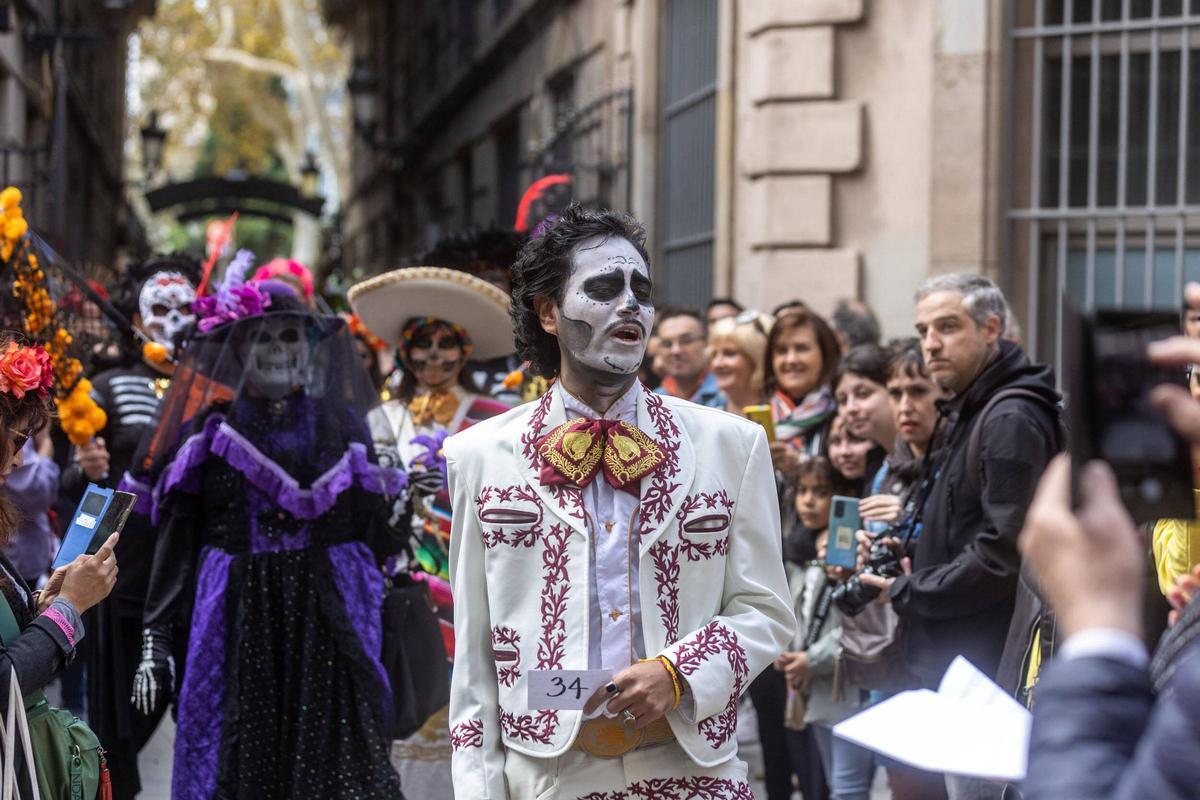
column 269, row 499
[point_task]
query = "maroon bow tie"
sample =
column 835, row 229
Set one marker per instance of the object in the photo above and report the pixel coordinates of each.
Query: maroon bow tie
column 576, row 450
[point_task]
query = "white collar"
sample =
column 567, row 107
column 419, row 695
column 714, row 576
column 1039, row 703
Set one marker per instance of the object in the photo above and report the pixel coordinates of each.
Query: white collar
column 625, row 408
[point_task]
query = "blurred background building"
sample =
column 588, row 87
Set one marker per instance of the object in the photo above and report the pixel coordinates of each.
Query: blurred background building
column 62, row 121
column 812, row 148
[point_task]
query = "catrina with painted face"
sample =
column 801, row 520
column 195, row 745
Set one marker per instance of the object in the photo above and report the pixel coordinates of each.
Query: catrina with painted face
column 271, row 509
column 438, row 318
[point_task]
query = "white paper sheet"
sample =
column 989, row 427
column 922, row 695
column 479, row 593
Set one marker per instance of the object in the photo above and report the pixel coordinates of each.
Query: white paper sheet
column 969, row 726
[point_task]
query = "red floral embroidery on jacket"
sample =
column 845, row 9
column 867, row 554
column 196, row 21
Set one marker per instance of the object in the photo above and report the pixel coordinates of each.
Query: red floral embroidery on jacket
column 506, row 650
column 556, row 586
column 538, row 728
column 706, row 548
column 569, row 498
column 666, row 581
column 537, row 421
column 713, row 640
column 523, row 536
column 656, row 500
column 467, row 734
column 693, row 788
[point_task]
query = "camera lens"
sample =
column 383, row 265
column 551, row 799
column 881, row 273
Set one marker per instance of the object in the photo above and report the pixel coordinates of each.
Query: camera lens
column 839, row 509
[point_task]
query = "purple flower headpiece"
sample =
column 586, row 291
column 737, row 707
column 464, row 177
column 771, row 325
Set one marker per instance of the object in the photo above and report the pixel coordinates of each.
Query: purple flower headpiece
column 233, row 299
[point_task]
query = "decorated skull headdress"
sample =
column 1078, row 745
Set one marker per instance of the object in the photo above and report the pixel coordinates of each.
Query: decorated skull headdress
column 165, row 304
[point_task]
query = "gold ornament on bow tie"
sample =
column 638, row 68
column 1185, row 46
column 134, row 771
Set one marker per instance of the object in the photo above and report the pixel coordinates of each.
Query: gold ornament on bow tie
column 575, row 451
column 438, row 407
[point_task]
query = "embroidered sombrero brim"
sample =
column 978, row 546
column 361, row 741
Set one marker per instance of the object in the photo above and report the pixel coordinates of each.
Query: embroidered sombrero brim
column 386, row 302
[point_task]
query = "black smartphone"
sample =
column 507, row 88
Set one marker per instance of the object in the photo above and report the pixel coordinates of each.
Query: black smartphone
column 1109, row 381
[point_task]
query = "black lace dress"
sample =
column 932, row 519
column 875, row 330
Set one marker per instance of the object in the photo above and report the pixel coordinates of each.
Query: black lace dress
column 266, row 549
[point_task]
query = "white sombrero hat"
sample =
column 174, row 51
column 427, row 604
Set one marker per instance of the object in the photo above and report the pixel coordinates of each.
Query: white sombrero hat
column 388, row 301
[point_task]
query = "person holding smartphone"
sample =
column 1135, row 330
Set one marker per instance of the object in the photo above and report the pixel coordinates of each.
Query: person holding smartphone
column 960, row 591
column 813, row 705
column 49, row 620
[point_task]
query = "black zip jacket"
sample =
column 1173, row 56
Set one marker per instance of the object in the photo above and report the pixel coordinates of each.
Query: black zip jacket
column 959, row 599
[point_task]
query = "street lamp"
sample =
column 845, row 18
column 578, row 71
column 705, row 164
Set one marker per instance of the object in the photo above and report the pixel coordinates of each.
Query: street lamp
column 153, row 138
column 310, row 173
column 364, row 94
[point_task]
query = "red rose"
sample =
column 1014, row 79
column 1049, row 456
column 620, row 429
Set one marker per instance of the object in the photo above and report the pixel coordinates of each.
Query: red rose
column 47, row 367
column 21, row 369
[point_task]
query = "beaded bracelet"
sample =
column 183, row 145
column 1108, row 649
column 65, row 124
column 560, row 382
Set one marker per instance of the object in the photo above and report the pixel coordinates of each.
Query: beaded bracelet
column 675, row 683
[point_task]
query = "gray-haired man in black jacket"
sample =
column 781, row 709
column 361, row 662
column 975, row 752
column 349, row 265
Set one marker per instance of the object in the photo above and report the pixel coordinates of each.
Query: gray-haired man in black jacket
column 959, row 595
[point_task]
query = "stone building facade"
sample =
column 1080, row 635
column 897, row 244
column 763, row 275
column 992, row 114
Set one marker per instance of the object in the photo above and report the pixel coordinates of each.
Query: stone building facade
column 804, row 148
column 62, row 121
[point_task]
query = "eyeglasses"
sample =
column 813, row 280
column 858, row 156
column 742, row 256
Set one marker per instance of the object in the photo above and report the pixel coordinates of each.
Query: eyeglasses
column 751, row 317
column 682, row 341
column 19, row 439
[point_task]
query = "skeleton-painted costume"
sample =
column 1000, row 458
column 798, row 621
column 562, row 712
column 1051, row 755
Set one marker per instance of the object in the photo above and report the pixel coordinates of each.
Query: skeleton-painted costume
column 161, row 291
column 595, row 539
column 708, row 585
column 268, row 494
column 402, row 306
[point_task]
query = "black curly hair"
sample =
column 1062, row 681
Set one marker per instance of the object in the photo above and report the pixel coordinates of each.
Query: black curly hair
column 542, row 269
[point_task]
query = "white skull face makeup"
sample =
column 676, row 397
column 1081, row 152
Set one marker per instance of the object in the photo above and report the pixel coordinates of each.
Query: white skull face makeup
column 606, row 312
column 165, row 304
column 277, row 355
column 436, row 357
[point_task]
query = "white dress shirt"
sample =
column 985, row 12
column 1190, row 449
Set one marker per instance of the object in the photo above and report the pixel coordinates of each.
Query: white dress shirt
column 615, row 627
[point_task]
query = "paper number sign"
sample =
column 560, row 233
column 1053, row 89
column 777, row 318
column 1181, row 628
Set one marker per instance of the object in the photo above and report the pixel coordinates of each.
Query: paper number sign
column 564, row 689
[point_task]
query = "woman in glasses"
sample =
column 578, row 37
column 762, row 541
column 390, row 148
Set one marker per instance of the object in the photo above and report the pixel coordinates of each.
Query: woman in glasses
column 38, row 630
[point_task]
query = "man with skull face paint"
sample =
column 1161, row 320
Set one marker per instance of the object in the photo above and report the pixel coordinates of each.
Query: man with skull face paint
column 157, row 296
column 426, row 311
column 268, row 497
column 607, row 528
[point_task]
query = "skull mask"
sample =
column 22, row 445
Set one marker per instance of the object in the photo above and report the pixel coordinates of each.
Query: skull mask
column 277, row 356
column 165, row 304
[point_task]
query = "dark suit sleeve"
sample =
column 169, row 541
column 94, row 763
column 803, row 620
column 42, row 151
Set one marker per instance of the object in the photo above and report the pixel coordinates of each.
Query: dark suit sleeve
column 1015, row 448
column 1097, row 733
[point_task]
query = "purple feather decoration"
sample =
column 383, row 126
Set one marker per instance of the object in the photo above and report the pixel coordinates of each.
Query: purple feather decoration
column 233, row 299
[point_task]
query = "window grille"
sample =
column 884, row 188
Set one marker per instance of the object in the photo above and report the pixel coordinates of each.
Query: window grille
column 687, row 163
column 1103, row 163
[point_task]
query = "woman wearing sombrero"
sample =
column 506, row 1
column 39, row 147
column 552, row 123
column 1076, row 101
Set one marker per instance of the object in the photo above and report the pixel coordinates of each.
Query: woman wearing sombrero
column 438, row 318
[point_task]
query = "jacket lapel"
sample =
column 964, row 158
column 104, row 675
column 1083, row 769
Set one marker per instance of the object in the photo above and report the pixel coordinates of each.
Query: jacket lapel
column 564, row 503
column 665, row 490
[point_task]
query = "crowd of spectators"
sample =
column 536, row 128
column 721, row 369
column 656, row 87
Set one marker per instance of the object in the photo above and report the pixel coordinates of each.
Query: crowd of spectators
column 944, row 438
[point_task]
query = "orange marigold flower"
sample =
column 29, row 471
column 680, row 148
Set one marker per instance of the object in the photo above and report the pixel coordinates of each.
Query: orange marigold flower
column 15, row 228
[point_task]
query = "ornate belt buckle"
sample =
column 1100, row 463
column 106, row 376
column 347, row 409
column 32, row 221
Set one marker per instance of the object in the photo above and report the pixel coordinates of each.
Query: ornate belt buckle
column 608, row 737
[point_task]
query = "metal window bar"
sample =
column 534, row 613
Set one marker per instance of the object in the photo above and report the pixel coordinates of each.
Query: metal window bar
column 1118, row 88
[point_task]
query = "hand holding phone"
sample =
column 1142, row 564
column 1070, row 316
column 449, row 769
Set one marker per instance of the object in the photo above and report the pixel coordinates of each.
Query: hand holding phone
column 761, row 415
column 844, row 523
column 1111, row 382
column 90, row 579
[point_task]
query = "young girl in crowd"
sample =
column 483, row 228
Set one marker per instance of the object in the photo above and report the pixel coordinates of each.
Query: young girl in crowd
column 813, row 701
column 855, row 459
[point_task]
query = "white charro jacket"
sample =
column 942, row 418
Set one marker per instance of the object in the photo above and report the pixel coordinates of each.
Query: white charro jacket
column 713, row 592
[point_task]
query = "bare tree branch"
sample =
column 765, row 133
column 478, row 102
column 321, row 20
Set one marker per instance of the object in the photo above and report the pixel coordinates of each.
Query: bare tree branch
column 239, row 57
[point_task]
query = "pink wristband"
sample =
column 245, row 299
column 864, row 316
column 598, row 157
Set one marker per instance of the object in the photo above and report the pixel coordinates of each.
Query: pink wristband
column 58, row 619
